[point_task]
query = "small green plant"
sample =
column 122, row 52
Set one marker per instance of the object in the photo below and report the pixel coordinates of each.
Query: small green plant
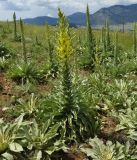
column 28, row 107
column 22, row 73
column 9, row 136
column 128, row 122
column 121, row 95
column 41, row 139
column 98, row 150
column 5, row 51
column 4, row 64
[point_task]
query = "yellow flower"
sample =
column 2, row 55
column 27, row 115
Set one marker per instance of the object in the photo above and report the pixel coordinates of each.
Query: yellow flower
column 64, row 45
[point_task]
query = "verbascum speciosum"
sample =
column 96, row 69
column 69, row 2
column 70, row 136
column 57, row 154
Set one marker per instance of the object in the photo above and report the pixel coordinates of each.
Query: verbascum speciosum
column 64, row 46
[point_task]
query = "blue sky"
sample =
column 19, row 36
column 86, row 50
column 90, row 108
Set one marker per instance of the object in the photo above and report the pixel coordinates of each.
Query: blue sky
column 33, row 8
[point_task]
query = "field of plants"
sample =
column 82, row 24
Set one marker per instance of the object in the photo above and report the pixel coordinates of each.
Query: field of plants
column 67, row 93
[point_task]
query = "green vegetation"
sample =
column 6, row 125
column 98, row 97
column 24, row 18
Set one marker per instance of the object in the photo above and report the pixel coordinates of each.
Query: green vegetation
column 15, row 26
column 67, row 93
column 135, row 40
column 91, row 45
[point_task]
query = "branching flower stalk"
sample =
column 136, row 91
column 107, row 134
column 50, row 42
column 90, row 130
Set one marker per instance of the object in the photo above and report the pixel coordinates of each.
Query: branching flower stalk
column 15, row 26
column 72, row 113
column 91, row 44
column 135, row 40
column 79, row 39
column 116, row 49
column 102, row 35
column 8, row 26
column 65, row 50
column 23, row 42
column 53, row 65
column 37, row 41
column 103, row 39
column 108, row 42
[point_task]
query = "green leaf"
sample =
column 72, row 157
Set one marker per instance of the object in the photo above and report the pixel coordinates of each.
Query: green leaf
column 134, row 157
column 39, row 155
column 15, row 147
column 7, row 156
column 52, row 132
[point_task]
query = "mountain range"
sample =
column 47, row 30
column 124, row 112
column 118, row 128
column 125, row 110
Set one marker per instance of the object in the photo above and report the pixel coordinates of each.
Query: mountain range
column 117, row 14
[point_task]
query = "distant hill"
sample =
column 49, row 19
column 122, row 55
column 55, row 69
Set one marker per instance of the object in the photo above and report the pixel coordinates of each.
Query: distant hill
column 45, row 19
column 115, row 14
column 41, row 20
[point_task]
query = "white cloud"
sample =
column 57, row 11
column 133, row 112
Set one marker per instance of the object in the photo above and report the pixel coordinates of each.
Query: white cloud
column 32, row 8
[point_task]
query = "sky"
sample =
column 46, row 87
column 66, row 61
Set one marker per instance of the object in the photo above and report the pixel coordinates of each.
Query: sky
column 34, row 8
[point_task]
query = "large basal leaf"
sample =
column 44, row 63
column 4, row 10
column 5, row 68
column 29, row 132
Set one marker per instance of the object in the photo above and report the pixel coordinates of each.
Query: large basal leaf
column 52, row 132
column 7, row 156
column 15, row 147
column 39, row 155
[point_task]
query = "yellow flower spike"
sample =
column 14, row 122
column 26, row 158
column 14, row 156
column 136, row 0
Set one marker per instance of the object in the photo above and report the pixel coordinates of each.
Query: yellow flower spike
column 64, row 46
